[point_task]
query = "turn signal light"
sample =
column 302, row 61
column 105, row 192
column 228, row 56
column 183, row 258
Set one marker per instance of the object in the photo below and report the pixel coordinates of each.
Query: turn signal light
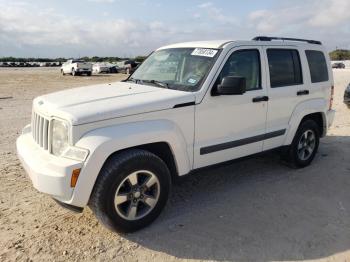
column 74, row 178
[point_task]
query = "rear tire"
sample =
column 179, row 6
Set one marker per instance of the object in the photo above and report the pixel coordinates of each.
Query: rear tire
column 131, row 190
column 305, row 144
column 88, row 74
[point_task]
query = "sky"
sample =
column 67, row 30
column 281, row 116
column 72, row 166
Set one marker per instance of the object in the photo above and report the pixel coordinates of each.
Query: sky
column 66, row 28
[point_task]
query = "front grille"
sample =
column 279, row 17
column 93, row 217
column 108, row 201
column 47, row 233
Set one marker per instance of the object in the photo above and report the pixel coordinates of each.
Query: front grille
column 40, row 130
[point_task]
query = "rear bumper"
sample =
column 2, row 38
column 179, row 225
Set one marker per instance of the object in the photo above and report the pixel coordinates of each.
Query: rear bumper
column 330, row 117
column 80, row 70
column 49, row 174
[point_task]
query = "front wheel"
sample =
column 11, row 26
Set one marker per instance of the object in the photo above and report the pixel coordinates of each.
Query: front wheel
column 131, row 190
column 305, row 144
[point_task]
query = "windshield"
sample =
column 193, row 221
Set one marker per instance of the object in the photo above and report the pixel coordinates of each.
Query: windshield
column 176, row 68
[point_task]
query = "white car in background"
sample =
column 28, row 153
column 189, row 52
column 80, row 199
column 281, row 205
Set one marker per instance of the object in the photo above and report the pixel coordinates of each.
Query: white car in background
column 76, row 67
column 98, row 68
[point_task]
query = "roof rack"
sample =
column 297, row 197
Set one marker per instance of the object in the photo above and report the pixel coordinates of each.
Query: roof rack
column 268, row 38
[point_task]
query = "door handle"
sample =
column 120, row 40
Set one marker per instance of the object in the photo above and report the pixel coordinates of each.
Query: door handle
column 303, row 92
column 260, row 99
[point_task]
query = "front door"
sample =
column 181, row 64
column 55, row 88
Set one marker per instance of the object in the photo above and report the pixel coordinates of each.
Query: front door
column 233, row 126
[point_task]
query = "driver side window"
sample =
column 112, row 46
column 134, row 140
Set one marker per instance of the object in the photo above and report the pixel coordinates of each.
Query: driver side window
column 244, row 63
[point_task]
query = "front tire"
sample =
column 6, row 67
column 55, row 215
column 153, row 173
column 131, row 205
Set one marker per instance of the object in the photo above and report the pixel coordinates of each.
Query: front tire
column 305, row 144
column 131, row 190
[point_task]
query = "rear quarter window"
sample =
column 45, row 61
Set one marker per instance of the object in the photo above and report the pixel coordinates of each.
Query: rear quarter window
column 317, row 65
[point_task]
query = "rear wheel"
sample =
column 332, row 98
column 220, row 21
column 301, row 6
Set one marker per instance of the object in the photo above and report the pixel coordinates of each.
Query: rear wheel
column 131, row 190
column 88, row 74
column 305, row 144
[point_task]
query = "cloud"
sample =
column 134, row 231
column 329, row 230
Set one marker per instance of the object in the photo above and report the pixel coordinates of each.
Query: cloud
column 321, row 14
column 331, row 13
column 26, row 30
column 23, row 29
column 269, row 21
column 325, row 20
column 215, row 14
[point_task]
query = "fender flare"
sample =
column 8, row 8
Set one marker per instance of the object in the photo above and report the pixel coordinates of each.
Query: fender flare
column 303, row 109
column 105, row 141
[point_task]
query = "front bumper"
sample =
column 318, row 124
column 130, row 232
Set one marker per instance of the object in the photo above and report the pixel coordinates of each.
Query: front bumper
column 49, row 174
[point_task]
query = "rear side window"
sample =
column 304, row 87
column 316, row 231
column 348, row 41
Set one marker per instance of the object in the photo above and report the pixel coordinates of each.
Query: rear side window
column 318, row 66
column 285, row 67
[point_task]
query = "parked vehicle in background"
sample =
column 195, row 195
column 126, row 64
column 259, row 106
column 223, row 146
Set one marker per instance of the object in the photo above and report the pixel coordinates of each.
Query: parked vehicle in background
column 76, row 67
column 127, row 66
column 117, row 147
column 347, row 96
column 338, row 65
column 114, row 69
column 98, row 68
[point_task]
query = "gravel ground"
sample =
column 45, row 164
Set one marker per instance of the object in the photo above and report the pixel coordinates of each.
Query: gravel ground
column 256, row 209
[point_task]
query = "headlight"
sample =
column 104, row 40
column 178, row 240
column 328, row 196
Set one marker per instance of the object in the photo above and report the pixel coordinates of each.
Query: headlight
column 59, row 137
column 60, row 142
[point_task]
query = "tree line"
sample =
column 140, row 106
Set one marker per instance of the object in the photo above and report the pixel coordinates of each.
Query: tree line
column 340, row 54
column 63, row 59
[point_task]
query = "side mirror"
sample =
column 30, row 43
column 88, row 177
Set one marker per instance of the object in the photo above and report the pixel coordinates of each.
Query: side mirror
column 232, row 85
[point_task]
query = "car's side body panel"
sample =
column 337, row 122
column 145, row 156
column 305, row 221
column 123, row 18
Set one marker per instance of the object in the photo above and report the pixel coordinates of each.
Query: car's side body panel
column 176, row 131
column 224, row 124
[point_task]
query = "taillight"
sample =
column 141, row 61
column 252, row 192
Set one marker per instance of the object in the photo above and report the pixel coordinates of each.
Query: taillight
column 331, row 100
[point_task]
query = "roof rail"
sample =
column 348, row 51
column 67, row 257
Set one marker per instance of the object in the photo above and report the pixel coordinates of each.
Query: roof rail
column 268, row 38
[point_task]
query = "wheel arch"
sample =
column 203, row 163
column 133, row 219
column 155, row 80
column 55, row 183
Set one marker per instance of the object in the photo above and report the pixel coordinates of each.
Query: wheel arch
column 313, row 109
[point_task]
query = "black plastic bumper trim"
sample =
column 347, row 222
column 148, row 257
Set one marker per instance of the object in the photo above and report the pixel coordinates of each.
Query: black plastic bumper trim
column 70, row 207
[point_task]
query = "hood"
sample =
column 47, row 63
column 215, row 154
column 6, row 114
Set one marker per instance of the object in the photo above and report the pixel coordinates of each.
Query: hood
column 100, row 102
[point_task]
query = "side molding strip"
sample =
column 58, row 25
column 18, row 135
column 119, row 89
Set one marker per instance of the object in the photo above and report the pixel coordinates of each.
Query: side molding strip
column 184, row 104
column 241, row 142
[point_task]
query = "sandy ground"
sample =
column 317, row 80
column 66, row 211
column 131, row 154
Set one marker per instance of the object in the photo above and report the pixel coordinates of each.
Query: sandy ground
column 252, row 210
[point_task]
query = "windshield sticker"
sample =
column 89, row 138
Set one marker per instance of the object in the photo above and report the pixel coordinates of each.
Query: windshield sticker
column 192, row 81
column 204, row 52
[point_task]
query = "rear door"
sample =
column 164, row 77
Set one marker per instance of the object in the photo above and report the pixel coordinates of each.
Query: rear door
column 286, row 88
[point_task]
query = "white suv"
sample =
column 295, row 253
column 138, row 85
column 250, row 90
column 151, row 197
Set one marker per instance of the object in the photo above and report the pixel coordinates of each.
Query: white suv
column 116, row 147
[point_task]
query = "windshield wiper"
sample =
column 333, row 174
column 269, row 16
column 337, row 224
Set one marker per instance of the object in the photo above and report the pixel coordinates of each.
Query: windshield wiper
column 155, row 82
column 131, row 79
column 158, row 83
